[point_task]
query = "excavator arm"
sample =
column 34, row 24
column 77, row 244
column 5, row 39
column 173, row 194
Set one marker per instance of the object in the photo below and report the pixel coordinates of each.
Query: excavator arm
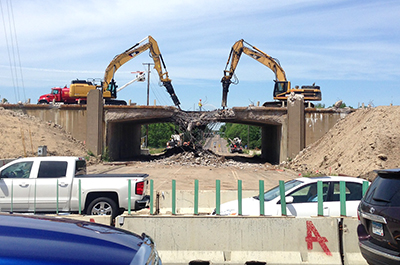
column 282, row 85
column 236, row 52
column 109, row 86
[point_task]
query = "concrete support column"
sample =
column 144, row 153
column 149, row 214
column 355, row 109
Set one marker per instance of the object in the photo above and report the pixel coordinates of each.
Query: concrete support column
column 270, row 145
column 296, row 125
column 123, row 140
column 94, row 122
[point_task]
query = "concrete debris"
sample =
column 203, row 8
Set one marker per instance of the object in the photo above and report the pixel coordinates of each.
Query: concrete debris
column 294, row 97
column 200, row 157
column 338, row 104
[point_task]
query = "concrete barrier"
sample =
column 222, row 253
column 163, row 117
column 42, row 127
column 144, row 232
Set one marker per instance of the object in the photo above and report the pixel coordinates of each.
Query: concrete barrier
column 207, row 200
column 352, row 254
column 237, row 240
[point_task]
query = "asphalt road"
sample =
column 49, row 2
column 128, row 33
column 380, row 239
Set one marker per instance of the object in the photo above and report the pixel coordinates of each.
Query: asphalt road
column 217, row 144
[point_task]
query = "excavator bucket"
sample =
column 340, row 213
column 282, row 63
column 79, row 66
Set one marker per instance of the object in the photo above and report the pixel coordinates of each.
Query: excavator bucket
column 171, row 91
column 225, row 90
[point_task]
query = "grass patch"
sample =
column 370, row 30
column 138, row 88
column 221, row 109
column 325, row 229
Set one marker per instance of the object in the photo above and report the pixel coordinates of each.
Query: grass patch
column 154, row 151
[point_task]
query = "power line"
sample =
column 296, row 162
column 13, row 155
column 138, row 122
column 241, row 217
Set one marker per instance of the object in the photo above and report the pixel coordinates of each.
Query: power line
column 17, row 48
column 12, row 54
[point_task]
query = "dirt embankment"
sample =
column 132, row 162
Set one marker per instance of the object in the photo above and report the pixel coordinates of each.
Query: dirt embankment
column 22, row 135
column 364, row 141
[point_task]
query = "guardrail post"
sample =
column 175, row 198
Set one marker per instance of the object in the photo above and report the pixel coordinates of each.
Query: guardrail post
column 218, row 197
column 174, row 196
column 320, row 198
column 365, row 187
column 342, row 198
column 239, row 197
column 283, row 197
column 261, row 196
column 196, row 196
column 80, row 196
column 151, row 197
column 129, row 195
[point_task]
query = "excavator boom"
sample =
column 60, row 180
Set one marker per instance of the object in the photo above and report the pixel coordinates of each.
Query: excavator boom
column 282, row 85
column 109, row 86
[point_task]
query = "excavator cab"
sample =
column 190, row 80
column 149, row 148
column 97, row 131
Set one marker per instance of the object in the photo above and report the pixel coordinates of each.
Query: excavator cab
column 281, row 88
column 112, row 87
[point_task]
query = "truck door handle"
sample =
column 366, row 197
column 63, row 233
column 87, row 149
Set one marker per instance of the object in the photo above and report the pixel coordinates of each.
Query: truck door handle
column 23, row 185
column 63, row 184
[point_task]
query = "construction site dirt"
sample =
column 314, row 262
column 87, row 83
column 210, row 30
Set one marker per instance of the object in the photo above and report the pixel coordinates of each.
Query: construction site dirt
column 162, row 173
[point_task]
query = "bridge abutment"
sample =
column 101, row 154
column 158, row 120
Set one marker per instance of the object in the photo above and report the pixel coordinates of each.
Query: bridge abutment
column 295, row 125
column 94, row 122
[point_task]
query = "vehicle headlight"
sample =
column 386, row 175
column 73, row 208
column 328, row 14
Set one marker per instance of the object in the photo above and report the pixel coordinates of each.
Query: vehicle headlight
column 147, row 253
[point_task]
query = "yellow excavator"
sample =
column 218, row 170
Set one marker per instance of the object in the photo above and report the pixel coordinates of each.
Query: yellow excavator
column 80, row 88
column 282, row 87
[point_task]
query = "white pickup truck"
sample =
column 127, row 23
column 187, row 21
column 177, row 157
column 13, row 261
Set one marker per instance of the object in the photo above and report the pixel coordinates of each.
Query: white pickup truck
column 52, row 184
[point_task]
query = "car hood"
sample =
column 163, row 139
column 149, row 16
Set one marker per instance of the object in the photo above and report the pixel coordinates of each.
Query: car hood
column 67, row 240
column 250, row 206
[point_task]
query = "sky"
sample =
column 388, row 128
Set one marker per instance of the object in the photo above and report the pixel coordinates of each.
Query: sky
column 351, row 49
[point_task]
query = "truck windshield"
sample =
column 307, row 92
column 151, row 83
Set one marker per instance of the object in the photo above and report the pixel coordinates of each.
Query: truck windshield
column 80, row 167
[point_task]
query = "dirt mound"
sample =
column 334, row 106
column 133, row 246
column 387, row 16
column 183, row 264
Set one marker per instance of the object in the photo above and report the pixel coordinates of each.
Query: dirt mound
column 365, row 140
column 21, row 136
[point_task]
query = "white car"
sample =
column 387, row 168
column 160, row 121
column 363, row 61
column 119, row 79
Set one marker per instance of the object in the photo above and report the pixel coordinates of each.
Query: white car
column 301, row 198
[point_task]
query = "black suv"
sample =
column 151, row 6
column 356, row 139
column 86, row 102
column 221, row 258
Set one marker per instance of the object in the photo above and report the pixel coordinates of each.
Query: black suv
column 379, row 215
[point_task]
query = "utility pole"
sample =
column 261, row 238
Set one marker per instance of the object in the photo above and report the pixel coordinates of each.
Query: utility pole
column 148, row 81
column 148, row 98
column 248, row 136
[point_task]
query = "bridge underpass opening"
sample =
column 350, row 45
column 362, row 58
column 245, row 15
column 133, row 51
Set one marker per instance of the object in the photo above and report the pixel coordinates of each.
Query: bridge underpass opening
column 271, row 139
column 123, row 140
column 271, row 136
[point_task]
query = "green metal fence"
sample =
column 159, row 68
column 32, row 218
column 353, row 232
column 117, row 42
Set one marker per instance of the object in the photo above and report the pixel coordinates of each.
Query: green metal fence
column 320, row 198
column 217, row 197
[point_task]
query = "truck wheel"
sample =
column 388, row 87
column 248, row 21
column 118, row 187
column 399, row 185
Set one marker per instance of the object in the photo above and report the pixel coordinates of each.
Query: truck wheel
column 102, row 206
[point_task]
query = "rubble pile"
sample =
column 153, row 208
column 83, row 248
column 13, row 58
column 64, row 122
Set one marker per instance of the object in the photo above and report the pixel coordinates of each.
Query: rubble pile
column 201, row 157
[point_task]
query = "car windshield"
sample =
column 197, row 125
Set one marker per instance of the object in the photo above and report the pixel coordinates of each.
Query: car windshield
column 274, row 192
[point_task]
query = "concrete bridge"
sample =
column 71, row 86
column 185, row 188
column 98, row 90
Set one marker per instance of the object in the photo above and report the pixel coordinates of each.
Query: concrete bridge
column 285, row 130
